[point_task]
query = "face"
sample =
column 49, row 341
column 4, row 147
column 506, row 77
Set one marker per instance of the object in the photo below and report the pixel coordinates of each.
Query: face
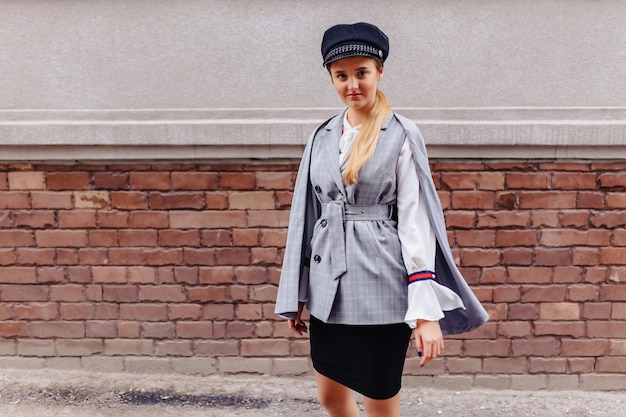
column 356, row 78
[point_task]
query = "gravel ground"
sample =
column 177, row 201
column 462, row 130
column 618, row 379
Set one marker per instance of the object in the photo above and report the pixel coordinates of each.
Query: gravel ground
column 71, row 393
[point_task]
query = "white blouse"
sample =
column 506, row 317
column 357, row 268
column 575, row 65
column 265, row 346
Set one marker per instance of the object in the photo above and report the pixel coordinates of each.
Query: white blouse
column 427, row 299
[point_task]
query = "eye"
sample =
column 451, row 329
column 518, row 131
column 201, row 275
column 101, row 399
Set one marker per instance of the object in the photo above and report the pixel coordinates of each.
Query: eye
column 362, row 73
column 340, row 76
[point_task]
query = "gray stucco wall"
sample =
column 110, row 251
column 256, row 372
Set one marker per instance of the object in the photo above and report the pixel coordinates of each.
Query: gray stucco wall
column 147, row 79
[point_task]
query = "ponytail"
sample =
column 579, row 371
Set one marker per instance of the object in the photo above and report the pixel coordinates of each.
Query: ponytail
column 367, row 138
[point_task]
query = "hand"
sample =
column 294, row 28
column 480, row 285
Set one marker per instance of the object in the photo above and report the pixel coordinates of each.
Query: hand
column 297, row 325
column 428, row 340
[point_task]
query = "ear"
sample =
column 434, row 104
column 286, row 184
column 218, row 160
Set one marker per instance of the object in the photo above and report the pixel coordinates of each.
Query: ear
column 381, row 73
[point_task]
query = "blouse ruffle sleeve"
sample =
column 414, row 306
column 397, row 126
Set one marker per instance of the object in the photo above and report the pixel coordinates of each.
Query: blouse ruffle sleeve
column 427, row 300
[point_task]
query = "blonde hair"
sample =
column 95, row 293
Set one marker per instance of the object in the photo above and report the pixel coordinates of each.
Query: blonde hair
column 367, row 138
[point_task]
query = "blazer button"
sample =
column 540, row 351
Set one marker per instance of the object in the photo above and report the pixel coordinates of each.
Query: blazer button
column 324, row 223
column 318, row 189
column 317, row 259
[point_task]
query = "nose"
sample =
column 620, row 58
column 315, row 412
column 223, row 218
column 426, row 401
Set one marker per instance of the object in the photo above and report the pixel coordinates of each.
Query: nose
column 353, row 83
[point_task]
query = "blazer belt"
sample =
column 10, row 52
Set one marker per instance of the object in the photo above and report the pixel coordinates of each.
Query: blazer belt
column 333, row 216
column 353, row 212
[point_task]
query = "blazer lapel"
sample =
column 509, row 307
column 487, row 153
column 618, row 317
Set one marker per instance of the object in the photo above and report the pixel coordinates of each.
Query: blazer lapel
column 328, row 143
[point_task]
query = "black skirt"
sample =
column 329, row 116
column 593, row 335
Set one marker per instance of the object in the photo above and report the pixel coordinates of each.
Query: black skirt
column 368, row 359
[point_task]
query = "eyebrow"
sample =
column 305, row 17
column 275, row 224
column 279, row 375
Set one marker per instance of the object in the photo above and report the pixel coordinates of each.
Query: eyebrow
column 339, row 71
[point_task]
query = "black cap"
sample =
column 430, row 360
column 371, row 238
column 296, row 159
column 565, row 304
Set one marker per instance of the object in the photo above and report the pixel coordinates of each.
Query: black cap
column 358, row 39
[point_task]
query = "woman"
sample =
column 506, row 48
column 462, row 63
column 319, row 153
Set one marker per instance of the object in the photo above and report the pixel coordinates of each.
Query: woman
column 367, row 251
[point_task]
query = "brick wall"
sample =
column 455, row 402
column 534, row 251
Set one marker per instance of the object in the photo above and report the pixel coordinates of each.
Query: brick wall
column 159, row 268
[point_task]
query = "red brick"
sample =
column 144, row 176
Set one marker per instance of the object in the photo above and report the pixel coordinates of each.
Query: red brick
column 553, row 257
column 168, row 201
column 611, row 180
column 265, row 347
column 162, row 293
column 150, row 181
column 472, row 200
column 219, row 237
column 249, row 312
column 514, row 329
column 179, row 238
column 506, row 293
column 216, row 200
column 585, row 256
column 7, row 257
column 194, row 330
column 104, row 238
column 596, row 311
column 547, row 200
column 77, row 219
column 239, row 329
column 56, row 181
column 22, row 292
column 523, row 180
column 535, row 275
column 143, row 312
column 517, row 256
column 100, row 329
column 609, row 219
column 109, row 274
column 503, row 219
column 217, row 275
column 583, row 348
column 275, row 180
column 608, row 329
column 184, row 312
column 268, row 218
column 36, row 311
column 141, row 275
column 186, row 275
column 13, row 329
column 61, row 238
column 237, row 181
column 575, row 219
column 107, row 311
column 126, row 256
column 219, row 312
column 76, row 311
column 199, row 256
column 50, row 275
column 547, row 366
column 504, row 366
column 582, row 292
column 240, row 293
column 120, row 293
column 194, row 180
column 474, row 238
column 545, row 218
column 460, row 219
column 612, row 292
column 232, row 256
column 129, row 200
column 93, row 256
column 163, row 256
column 137, row 238
column 480, row 257
column 149, row 219
column 112, row 219
column 60, row 329
column 591, row 200
column 207, row 219
column 250, row 275
column 611, row 365
column 15, row 200
column 615, row 201
column 613, row 256
column 459, row 180
column 173, row 348
column 111, row 180
column 535, row 347
column 559, row 311
column 18, row 275
column 215, row 348
column 211, row 293
column 516, row 238
column 78, row 274
column 525, row 311
column 157, row 330
column 35, row 219
column 571, row 181
column 264, row 256
column 16, row 238
column 67, row 293
column 580, row 365
column 245, row 237
column 546, row 328
column 566, row 237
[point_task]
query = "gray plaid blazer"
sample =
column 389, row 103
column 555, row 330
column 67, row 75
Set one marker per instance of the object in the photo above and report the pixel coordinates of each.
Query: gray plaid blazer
column 343, row 255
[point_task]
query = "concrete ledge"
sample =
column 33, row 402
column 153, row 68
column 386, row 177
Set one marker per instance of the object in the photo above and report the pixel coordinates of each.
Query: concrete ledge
column 210, row 135
column 290, row 367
